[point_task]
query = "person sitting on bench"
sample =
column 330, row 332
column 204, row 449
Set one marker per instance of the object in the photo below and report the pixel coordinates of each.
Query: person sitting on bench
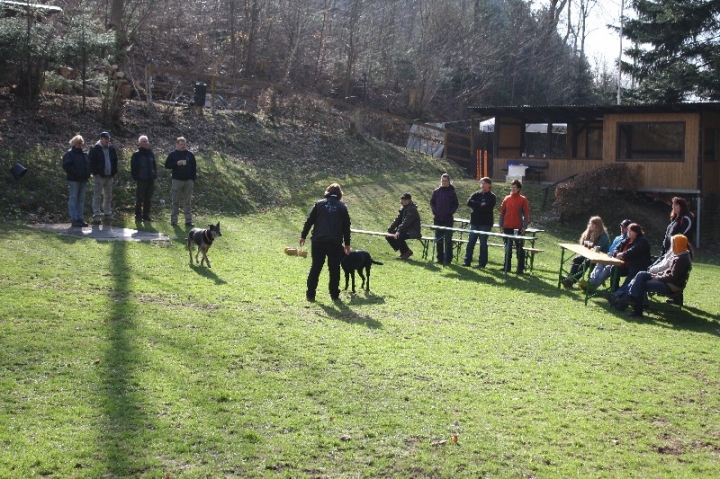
column 670, row 282
column 595, row 235
column 601, row 272
column 405, row 226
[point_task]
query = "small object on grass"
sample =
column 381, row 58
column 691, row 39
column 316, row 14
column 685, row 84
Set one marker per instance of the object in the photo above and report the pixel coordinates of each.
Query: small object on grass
column 438, row 443
column 454, row 438
column 295, row 252
column 345, row 437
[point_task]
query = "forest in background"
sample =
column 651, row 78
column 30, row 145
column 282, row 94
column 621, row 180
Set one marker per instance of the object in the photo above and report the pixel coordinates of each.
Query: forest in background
column 424, row 59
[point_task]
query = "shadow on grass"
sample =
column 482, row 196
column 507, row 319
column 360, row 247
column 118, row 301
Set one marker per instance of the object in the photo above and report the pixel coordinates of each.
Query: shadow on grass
column 341, row 311
column 123, row 404
column 687, row 318
column 207, row 273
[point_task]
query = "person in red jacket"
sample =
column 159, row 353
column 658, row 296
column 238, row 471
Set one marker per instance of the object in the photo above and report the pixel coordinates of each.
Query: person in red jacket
column 514, row 219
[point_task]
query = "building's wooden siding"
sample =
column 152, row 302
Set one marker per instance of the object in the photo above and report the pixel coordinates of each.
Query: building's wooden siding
column 653, row 174
column 659, row 174
column 711, row 169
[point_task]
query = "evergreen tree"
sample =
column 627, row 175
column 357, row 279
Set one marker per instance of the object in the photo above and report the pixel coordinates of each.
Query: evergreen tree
column 675, row 54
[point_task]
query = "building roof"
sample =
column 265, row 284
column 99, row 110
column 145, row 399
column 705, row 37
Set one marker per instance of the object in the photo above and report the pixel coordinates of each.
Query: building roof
column 14, row 9
column 571, row 113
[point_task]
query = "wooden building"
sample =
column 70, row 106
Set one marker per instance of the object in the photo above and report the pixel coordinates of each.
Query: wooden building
column 676, row 146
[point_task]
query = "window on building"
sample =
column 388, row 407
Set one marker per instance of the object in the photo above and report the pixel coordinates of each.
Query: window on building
column 651, row 141
column 710, row 145
column 594, row 142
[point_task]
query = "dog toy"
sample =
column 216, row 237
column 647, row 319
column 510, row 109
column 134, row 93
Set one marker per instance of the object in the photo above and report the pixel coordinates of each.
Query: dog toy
column 295, row 252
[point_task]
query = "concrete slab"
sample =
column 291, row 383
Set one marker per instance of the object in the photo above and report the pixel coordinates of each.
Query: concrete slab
column 103, row 232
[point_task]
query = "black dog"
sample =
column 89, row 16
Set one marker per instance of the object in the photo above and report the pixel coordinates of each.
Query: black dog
column 358, row 261
column 203, row 239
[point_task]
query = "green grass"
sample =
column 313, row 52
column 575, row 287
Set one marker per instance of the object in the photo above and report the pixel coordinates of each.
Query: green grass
column 121, row 360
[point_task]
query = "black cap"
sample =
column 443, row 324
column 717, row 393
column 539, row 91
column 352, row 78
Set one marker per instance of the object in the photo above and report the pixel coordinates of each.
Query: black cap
column 406, row 196
column 625, row 223
column 105, row 134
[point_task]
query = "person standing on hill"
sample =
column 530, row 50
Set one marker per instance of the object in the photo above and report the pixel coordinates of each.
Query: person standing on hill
column 444, row 204
column 184, row 173
column 144, row 171
column 514, row 215
column 104, row 167
column 482, row 204
column 330, row 221
column 405, row 226
column 77, row 169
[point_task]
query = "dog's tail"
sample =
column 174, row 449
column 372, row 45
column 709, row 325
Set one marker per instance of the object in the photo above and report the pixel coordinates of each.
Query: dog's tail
column 376, row 262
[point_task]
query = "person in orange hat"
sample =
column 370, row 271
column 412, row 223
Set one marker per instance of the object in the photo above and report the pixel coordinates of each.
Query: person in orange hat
column 672, row 281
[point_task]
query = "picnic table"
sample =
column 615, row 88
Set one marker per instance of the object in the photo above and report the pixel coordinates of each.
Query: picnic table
column 593, row 257
column 508, row 251
column 529, row 252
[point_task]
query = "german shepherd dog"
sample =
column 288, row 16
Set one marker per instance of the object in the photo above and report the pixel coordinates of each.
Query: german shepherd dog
column 358, row 260
column 203, row 238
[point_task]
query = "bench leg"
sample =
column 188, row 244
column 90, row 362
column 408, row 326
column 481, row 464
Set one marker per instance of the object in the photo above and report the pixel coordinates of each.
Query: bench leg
column 425, row 245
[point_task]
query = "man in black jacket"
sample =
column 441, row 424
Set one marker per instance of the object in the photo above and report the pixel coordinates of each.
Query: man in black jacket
column 405, row 226
column 184, row 173
column 144, row 171
column 482, row 204
column 104, row 167
column 331, row 222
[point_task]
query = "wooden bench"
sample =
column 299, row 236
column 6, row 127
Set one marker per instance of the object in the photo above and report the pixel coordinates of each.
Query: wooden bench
column 426, row 241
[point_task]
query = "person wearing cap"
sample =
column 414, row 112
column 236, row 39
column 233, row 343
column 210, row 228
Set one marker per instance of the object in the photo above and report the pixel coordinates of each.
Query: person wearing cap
column 184, row 173
column 602, row 272
column 405, row 226
column 104, row 167
column 482, row 203
column 670, row 282
column 77, row 168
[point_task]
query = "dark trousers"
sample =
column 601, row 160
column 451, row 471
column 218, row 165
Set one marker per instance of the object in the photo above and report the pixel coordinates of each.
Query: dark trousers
column 472, row 239
column 519, row 251
column 443, row 242
column 143, row 198
column 399, row 243
column 334, row 254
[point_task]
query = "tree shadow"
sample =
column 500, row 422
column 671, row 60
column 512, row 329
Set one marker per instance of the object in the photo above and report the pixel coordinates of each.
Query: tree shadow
column 124, row 403
column 341, row 311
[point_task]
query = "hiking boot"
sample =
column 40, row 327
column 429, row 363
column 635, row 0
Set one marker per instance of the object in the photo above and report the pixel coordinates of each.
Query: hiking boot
column 583, row 284
column 310, row 297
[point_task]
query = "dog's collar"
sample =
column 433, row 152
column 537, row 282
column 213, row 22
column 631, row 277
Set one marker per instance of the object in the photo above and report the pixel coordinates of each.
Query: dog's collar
column 208, row 239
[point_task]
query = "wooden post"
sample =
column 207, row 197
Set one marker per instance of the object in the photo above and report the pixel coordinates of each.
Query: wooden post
column 472, row 138
column 329, row 113
column 148, row 83
column 212, row 94
column 486, row 171
column 382, row 127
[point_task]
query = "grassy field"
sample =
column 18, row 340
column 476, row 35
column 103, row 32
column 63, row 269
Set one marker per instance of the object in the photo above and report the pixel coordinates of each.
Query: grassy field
column 122, row 360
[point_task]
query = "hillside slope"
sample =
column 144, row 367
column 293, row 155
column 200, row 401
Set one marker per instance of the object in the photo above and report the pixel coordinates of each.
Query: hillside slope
column 246, row 162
